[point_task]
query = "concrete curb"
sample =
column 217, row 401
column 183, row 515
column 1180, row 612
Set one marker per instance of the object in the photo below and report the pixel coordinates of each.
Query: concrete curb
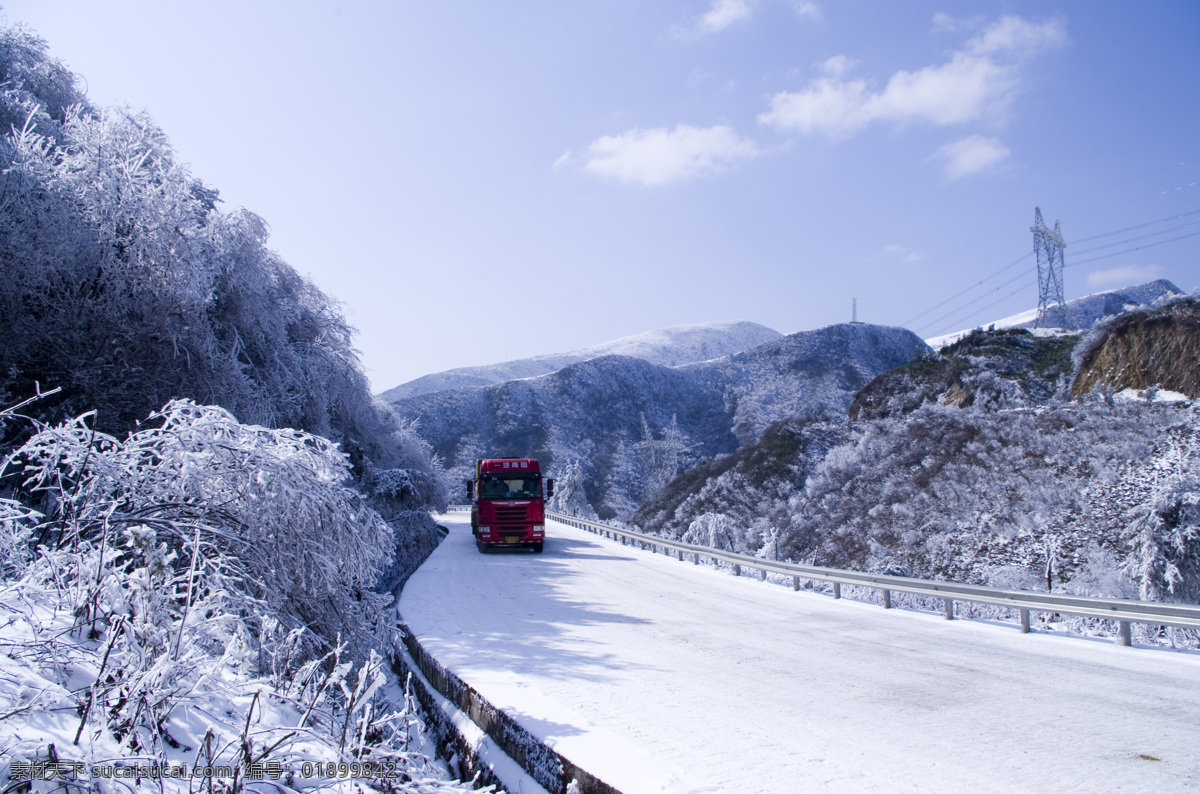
column 545, row 765
column 461, row 752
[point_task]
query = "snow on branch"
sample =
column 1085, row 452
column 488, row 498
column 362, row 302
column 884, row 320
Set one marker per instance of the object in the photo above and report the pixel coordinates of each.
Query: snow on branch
column 196, row 593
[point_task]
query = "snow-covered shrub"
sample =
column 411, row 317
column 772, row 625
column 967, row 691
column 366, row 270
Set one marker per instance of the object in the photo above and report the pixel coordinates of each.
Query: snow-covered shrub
column 16, row 523
column 199, row 592
column 1098, row 573
column 274, row 501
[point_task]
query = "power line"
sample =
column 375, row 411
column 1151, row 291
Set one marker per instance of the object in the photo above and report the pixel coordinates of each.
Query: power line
column 1131, row 250
column 1016, row 262
column 1135, row 239
column 1029, row 282
column 1135, row 228
column 1140, row 236
column 992, row 275
column 1124, row 182
column 1068, row 200
column 988, row 294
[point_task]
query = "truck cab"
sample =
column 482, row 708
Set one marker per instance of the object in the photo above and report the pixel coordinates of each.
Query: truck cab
column 508, row 503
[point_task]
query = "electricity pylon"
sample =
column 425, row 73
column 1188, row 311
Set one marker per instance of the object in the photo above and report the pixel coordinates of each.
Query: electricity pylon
column 1048, row 245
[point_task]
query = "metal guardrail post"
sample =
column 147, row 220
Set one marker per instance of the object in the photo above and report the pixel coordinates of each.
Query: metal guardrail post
column 737, row 569
column 762, row 574
column 948, row 605
column 795, row 582
column 1024, row 621
column 887, row 599
column 1124, row 635
column 837, row 589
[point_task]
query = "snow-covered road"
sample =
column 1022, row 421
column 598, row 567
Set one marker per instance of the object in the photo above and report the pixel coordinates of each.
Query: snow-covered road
column 657, row 675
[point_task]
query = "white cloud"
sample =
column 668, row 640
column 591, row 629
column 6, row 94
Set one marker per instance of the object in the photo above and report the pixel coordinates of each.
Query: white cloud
column 944, row 23
column 971, row 155
column 806, row 9
column 724, row 13
column 1013, row 35
column 661, row 156
column 836, row 66
column 828, row 105
column 979, row 80
column 704, row 80
column 905, row 253
column 566, row 158
column 1123, row 276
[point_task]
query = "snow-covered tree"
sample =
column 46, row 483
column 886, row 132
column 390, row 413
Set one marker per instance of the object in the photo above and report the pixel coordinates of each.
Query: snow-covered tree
column 715, row 530
column 1164, row 530
column 569, row 495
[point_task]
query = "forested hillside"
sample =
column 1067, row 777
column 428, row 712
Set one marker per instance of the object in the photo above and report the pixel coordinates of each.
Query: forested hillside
column 201, row 504
column 125, row 286
column 976, row 466
column 626, row 427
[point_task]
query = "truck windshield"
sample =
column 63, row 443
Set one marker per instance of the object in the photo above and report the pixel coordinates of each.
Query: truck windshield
column 511, row 488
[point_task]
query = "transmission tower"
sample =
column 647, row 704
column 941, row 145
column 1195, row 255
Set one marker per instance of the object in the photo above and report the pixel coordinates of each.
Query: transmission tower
column 1048, row 245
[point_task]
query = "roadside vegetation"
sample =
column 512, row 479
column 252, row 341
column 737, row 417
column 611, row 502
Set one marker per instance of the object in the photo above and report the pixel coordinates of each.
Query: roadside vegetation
column 203, row 510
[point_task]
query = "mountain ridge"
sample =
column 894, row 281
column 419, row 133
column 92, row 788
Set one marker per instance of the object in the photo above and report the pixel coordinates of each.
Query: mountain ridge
column 631, row 424
column 1084, row 311
column 671, row 346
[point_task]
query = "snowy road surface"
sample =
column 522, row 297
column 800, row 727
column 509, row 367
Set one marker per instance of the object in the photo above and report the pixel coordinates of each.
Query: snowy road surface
column 657, row 675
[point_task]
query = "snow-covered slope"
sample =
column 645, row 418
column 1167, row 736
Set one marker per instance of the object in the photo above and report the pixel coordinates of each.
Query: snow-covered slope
column 680, row 344
column 1083, row 311
column 631, row 423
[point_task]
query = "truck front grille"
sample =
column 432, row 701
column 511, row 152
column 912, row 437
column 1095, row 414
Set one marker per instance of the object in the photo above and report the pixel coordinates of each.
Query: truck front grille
column 511, row 515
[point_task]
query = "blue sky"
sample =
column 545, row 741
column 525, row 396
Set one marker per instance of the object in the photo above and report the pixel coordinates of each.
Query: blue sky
column 479, row 181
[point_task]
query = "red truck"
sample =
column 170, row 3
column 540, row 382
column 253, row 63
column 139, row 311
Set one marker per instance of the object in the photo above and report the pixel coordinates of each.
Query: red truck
column 507, row 506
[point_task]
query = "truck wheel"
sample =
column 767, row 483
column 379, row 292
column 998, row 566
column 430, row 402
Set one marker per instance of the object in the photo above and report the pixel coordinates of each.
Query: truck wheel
column 479, row 544
column 537, row 548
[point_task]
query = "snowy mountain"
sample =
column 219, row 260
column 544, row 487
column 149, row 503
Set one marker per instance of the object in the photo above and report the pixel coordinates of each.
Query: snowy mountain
column 632, row 425
column 975, row 465
column 670, row 347
column 811, row 373
column 1085, row 311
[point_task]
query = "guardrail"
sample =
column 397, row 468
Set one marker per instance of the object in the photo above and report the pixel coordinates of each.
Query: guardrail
column 1123, row 611
column 458, row 509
